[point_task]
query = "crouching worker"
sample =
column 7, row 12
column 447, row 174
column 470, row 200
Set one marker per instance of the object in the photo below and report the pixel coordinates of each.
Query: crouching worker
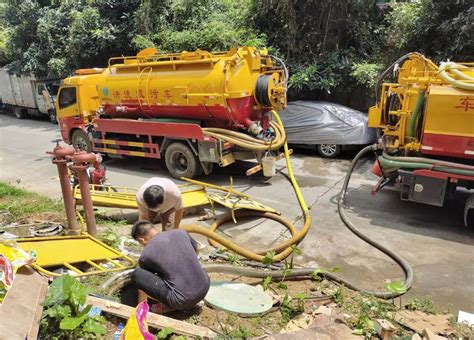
column 160, row 197
column 169, row 270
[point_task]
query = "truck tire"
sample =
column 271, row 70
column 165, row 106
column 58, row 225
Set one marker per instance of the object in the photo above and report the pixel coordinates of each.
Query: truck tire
column 20, row 113
column 181, row 161
column 81, row 141
column 52, row 117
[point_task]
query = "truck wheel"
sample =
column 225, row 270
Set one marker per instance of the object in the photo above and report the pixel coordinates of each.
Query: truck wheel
column 80, row 141
column 52, row 117
column 329, row 150
column 181, row 161
column 20, row 113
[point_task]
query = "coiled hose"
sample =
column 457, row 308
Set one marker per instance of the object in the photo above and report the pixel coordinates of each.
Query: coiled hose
column 248, row 142
column 285, row 248
column 450, row 73
column 122, row 279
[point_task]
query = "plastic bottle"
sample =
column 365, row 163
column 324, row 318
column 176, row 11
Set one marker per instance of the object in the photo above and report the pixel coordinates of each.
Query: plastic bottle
column 118, row 332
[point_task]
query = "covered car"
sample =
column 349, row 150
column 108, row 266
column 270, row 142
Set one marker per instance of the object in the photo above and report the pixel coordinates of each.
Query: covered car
column 330, row 128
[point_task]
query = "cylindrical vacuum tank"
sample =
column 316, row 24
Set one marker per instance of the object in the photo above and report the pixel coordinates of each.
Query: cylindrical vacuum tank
column 231, row 89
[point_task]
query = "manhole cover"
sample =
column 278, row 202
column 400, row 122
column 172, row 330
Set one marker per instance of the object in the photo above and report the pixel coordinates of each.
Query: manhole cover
column 238, row 298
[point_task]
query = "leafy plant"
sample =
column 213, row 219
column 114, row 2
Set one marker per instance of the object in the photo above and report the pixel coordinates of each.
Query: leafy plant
column 295, row 251
column 266, row 282
column 110, row 238
column 268, row 259
column 164, row 333
column 288, row 310
column 65, row 316
column 422, row 304
column 337, row 295
column 233, row 259
column 363, row 310
column 300, row 297
column 396, row 287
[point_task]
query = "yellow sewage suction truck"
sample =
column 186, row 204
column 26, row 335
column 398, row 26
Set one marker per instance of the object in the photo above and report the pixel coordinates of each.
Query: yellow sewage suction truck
column 427, row 119
column 194, row 109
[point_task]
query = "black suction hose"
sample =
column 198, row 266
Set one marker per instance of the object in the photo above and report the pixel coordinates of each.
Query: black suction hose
column 408, row 270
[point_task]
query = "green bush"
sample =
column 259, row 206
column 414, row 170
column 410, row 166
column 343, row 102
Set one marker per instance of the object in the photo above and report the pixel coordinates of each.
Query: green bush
column 366, row 74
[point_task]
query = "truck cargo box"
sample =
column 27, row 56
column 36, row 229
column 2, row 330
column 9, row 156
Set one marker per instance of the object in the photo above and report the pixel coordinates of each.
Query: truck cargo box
column 18, row 91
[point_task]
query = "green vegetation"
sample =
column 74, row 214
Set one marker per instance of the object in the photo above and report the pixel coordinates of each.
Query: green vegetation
column 16, row 203
column 110, row 238
column 241, row 333
column 164, row 333
column 289, row 310
column 233, row 259
column 65, row 316
column 268, row 258
column 423, row 304
column 334, row 49
column 363, row 309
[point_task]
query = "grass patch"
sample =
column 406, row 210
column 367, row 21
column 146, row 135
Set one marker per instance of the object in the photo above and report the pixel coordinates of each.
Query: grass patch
column 16, row 203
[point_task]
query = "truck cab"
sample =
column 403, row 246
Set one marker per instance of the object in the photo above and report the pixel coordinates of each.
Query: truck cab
column 46, row 98
column 76, row 107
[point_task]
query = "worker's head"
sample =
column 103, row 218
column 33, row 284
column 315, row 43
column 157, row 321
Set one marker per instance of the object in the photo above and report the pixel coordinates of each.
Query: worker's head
column 153, row 196
column 143, row 232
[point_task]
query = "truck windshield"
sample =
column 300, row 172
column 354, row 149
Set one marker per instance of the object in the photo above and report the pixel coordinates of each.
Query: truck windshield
column 67, row 97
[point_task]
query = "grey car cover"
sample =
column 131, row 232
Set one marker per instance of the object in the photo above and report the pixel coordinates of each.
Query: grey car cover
column 315, row 122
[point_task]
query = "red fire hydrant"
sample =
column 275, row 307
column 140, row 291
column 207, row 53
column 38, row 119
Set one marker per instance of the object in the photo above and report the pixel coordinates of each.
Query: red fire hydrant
column 81, row 161
column 61, row 154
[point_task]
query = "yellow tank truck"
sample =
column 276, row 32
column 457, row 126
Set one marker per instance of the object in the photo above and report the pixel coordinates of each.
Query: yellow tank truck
column 195, row 109
column 427, row 119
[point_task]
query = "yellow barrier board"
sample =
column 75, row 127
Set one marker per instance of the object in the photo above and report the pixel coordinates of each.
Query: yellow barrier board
column 124, row 197
column 82, row 254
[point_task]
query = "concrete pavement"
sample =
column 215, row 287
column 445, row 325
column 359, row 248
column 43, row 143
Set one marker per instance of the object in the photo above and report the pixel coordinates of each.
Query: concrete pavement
column 432, row 239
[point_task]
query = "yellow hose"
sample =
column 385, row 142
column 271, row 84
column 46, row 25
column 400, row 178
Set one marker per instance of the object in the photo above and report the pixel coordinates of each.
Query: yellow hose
column 448, row 72
column 284, row 249
column 248, row 142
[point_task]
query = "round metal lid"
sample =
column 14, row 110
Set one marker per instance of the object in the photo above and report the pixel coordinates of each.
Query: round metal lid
column 238, row 298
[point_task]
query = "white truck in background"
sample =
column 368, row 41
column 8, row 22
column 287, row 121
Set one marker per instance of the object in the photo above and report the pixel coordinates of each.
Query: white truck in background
column 27, row 95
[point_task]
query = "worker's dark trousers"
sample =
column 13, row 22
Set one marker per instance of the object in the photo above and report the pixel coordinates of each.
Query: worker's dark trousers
column 153, row 286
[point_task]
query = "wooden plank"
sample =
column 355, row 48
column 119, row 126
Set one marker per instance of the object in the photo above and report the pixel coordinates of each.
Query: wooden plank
column 418, row 321
column 39, row 309
column 21, row 309
column 153, row 320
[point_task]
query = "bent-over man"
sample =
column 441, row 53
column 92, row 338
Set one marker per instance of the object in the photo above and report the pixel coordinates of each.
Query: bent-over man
column 160, row 196
column 169, row 270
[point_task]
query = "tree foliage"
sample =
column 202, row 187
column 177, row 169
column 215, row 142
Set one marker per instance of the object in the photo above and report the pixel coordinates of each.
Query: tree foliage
column 331, row 47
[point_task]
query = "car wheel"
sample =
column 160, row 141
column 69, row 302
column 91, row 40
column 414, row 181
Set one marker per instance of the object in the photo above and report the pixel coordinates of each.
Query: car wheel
column 181, row 161
column 80, row 141
column 329, row 150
